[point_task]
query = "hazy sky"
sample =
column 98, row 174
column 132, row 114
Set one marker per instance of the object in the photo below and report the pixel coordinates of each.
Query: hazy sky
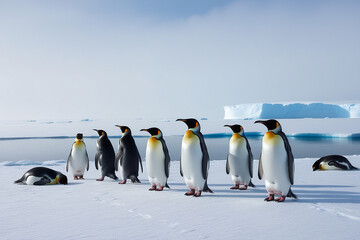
column 164, row 59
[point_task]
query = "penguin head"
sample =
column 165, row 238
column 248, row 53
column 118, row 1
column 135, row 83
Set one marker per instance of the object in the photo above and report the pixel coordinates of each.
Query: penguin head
column 79, row 137
column 192, row 123
column 272, row 125
column 155, row 132
column 100, row 132
column 316, row 165
column 124, row 129
column 62, row 179
column 236, row 128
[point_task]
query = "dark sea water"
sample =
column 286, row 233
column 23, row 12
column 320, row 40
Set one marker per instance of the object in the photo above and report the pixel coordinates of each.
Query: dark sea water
column 44, row 149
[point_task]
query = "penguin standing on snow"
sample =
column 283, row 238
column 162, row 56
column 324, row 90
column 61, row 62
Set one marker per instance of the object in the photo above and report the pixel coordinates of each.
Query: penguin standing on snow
column 157, row 160
column 276, row 163
column 42, row 176
column 194, row 161
column 78, row 158
column 128, row 156
column 333, row 162
column 105, row 156
column 239, row 161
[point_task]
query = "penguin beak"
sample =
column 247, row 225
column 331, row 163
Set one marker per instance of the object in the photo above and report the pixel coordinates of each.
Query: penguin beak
column 182, row 120
column 227, row 126
column 144, row 130
column 259, row 121
column 95, row 130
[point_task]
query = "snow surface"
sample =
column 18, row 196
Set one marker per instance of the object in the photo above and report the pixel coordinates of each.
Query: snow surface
column 291, row 110
column 328, row 207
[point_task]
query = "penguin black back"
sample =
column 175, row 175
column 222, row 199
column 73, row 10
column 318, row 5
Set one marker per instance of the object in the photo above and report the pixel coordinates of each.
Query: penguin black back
column 105, row 156
column 128, row 156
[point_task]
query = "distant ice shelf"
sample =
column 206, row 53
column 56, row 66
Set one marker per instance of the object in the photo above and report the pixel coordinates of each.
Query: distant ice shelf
column 292, row 110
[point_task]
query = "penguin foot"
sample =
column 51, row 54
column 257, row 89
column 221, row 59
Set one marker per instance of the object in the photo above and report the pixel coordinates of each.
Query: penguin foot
column 197, row 194
column 235, row 187
column 100, row 179
column 280, row 199
column 191, row 192
column 159, row 189
column 76, row 178
column 152, row 188
column 270, row 198
column 243, row 188
column 122, row 182
column 81, row 177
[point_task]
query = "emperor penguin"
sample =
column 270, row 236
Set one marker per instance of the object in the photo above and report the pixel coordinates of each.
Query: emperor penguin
column 128, row 156
column 157, row 160
column 78, row 158
column 239, row 161
column 276, row 163
column 105, row 156
column 333, row 162
column 194, row 161
column 42, row 176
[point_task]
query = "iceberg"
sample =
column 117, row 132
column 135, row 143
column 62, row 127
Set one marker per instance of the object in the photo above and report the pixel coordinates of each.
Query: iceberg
column 292, row 111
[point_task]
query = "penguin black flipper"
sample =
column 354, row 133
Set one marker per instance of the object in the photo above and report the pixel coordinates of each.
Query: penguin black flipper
column 68, row 161
column 290, row 157
column 227, row 164
column 205, row 157
column 181, row 172
column 250, row 158
column 118, row 157
column 139, row 158
column 87, row 161
column 43, row 181
column 260, row 169
column 167, row 157
column 338, row 165
column 97, row 157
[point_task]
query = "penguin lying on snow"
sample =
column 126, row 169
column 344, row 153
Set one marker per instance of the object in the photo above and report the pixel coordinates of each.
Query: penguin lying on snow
column 194, row 161
column 42, row 176
column 78, row 158
column 239, row 162
column 128, row 156
column 333, row 162
column 157, row 160
column 276, row 163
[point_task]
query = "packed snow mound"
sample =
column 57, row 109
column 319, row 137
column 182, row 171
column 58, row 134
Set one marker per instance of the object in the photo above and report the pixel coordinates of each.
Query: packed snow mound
column 291, row 111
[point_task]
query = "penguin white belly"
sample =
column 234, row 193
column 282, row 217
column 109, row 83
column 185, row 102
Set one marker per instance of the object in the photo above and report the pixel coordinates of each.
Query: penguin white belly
column 155, row 162
column 30, row 180
column 78, row 159
column 326, row 166
column 239, row 161
column 275, row 165
column 191, row 161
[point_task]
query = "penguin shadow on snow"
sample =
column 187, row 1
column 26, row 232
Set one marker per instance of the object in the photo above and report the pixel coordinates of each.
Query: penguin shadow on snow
column 330, row 194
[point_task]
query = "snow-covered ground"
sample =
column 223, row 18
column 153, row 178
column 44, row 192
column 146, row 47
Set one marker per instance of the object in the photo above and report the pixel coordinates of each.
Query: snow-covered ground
column 328, row 207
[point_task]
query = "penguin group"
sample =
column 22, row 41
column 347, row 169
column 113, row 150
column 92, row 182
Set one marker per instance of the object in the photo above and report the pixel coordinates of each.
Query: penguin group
column 276, row 163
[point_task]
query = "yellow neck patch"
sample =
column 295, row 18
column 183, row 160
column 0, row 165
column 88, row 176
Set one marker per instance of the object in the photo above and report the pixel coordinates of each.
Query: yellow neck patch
column 269, row 134
column 236, row 136
column 189, row 134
